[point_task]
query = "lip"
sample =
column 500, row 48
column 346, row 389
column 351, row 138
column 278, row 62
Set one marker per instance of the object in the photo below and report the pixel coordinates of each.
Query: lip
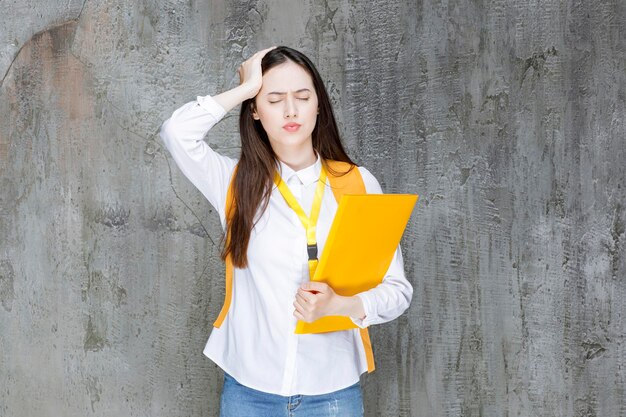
column 291, row 127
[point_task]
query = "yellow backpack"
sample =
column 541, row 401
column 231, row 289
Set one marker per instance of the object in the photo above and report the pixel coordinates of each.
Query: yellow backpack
column 351, row 183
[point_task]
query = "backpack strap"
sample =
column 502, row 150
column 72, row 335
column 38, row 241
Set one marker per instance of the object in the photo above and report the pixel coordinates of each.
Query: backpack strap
column 228, row 291
column 350, row 183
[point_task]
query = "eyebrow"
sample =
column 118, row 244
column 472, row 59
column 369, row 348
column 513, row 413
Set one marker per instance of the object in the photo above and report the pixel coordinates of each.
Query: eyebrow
column 283, row 93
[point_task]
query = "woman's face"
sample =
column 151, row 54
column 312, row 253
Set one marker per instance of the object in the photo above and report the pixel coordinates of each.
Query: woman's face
column 287, row 96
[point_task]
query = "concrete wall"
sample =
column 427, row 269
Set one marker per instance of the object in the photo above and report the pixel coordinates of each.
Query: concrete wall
column 507, row 117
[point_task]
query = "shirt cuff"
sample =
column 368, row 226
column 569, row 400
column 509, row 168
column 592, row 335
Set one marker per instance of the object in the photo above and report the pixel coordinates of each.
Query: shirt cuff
column 367, row 308
column 209, row 104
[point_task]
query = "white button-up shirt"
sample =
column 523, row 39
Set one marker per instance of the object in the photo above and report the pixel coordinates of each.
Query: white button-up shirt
column 256, row 343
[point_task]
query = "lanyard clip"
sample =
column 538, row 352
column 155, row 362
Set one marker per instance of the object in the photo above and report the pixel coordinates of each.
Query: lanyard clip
column 312, row 251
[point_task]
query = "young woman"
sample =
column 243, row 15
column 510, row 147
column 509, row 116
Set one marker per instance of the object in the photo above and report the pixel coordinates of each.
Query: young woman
column 287, row 128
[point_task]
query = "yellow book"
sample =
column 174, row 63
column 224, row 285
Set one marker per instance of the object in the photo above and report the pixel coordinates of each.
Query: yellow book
column 362, row 240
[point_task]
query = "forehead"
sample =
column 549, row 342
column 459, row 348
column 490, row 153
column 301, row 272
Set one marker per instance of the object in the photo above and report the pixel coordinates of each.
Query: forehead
column 286, row 77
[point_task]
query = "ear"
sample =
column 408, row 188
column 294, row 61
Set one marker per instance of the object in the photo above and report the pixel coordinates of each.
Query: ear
column 255, row 115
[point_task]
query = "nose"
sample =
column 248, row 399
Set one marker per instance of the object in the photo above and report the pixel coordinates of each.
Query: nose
column 290, row 107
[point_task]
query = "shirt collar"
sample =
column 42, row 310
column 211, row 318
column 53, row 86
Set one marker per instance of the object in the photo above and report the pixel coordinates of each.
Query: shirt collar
column 306, row 175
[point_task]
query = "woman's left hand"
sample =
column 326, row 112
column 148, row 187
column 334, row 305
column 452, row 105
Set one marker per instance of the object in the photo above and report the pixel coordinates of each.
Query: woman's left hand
column 315, row 300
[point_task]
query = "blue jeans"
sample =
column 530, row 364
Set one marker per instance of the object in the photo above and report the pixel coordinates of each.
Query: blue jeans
column 240, row 401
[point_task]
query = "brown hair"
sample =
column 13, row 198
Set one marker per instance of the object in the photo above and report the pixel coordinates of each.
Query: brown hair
column 253, row 178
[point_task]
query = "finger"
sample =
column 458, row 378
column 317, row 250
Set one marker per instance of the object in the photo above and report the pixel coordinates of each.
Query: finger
column 307, row 296
column 302, row 317
column 298, row 315
column 260, row 54
column 315, row 286
column 265, row 51
column 307, row 302
column 298, row 307
column 300, row 299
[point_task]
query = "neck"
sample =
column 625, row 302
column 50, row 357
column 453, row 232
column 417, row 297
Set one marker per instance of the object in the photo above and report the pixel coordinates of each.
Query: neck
column 297, row 159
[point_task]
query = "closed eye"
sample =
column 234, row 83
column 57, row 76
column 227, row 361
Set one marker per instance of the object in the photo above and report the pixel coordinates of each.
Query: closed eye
column 274, row 102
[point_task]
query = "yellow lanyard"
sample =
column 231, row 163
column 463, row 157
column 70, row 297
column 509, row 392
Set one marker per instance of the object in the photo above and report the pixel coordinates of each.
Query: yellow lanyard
column 309, row 223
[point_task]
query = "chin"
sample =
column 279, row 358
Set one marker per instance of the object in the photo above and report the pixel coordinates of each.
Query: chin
column 293, row 139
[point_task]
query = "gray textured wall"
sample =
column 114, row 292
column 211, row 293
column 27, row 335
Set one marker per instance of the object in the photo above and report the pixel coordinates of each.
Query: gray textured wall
column 507, row 117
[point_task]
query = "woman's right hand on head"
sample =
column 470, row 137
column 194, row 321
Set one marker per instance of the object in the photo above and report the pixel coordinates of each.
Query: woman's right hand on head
column 250, row 73
column 250, row 82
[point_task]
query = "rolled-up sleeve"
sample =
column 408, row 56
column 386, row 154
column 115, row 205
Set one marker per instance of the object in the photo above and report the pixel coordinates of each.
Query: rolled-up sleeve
column 389, row 299
column 183, row 135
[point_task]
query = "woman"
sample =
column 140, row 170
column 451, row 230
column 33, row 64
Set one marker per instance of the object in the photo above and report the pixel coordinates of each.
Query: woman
column 287, row 127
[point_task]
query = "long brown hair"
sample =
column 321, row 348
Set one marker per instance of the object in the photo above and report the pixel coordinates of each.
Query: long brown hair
column 253, row 178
